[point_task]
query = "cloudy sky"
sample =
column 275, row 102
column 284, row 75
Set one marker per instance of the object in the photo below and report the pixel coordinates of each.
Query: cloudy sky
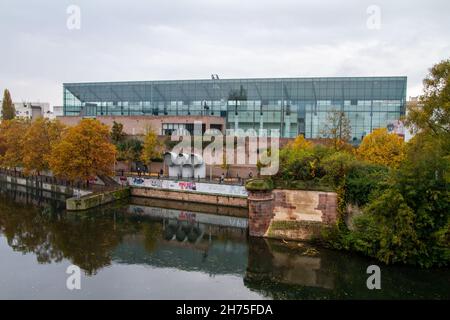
column 184, row 39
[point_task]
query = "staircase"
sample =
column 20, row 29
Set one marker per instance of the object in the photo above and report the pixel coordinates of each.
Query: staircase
column 109, row 182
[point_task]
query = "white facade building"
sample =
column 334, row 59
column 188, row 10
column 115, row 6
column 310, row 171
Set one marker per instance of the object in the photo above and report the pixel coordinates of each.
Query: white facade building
column 33, row 110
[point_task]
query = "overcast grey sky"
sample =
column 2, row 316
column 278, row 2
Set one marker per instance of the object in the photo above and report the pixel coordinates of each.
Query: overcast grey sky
column 184, row 39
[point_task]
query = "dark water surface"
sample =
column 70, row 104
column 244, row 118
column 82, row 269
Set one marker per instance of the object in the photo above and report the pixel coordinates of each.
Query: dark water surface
column 137, row 251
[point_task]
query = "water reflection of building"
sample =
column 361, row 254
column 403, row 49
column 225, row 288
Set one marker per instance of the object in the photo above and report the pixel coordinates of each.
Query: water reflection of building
column 271, row 262
column 188, row 241
column 211, row 254
column 190, row 206
column 189, row 216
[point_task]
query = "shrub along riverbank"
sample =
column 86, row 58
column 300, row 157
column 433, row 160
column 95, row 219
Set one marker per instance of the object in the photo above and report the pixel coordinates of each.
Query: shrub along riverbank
column 402, row 189
column 405, row 210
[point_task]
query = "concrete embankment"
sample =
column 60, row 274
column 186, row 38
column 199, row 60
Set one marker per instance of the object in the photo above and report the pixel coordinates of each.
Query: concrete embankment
column 42, row 184
column 187, row 196
column 96, row 199
column 212, row 209
column 187, row 191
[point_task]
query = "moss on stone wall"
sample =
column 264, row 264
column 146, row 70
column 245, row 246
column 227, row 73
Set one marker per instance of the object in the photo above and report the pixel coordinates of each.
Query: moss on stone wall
column 293, row 224
column 296, row 230
column 312, row 185
column 259, row 185
column 121, row 193
column 96, row 199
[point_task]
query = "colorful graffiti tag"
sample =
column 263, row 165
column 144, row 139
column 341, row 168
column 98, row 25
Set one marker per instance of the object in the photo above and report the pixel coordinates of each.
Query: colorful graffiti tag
column 210, row 188
column 184, row 185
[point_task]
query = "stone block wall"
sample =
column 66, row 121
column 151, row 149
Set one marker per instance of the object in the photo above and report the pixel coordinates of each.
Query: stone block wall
column 291, row 214
column 186, row 196
column 302, row 205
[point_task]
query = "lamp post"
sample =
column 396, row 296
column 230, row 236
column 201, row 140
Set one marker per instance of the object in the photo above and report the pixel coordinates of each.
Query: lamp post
column 210, row 171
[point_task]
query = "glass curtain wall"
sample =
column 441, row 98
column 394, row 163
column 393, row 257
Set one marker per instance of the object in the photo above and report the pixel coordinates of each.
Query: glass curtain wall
column 292, row 105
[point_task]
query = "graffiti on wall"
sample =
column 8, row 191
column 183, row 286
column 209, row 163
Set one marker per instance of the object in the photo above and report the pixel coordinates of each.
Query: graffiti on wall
column 210, row 188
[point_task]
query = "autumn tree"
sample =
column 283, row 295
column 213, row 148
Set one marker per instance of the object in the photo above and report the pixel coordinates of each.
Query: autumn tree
column 117, row 134
column 429, row 118
column 337, row 128
column 432, row 112
column 407, row 220
column 11, row 142
column 37, row 142
column 84, row 151
column 152, row 148
column 8, row 110
column 382, row 147
column 300, row 143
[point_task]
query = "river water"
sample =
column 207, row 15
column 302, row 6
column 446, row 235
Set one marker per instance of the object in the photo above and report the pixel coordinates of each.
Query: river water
column 146, row 249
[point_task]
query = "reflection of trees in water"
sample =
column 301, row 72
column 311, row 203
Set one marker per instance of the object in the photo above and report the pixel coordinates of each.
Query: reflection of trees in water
column 90, row 239
column 152, row 235
column 26, row 231
column 87, row 239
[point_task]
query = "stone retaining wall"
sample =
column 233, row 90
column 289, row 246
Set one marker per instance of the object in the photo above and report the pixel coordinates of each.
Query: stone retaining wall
column 291, row 214
column 96, row 199
column 302, row 205
column 186, row 196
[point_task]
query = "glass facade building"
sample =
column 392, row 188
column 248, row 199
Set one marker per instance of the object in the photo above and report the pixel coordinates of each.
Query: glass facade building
column 292, row 105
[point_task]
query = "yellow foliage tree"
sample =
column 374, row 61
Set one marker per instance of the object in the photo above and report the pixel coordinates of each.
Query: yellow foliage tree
column 84, row 151
column 37, row 142
column 382, row 147
column 152, row 147
column 300, row 143
column 11, row 142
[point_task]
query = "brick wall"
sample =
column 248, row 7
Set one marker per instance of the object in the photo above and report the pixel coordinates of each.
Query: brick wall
column 260, row 212
column 137, row 125
column 328, row 206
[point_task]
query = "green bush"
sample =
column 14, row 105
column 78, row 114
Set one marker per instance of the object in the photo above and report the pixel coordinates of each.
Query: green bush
column 336, row 166
column 314, row 185
column 387, row 231
column 407, row 217
column 129, row 150
column 299, row 164
column 362, row 180
column 259, row 185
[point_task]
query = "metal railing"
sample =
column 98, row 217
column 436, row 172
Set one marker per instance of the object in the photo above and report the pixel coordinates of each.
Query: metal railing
column 47, row 179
